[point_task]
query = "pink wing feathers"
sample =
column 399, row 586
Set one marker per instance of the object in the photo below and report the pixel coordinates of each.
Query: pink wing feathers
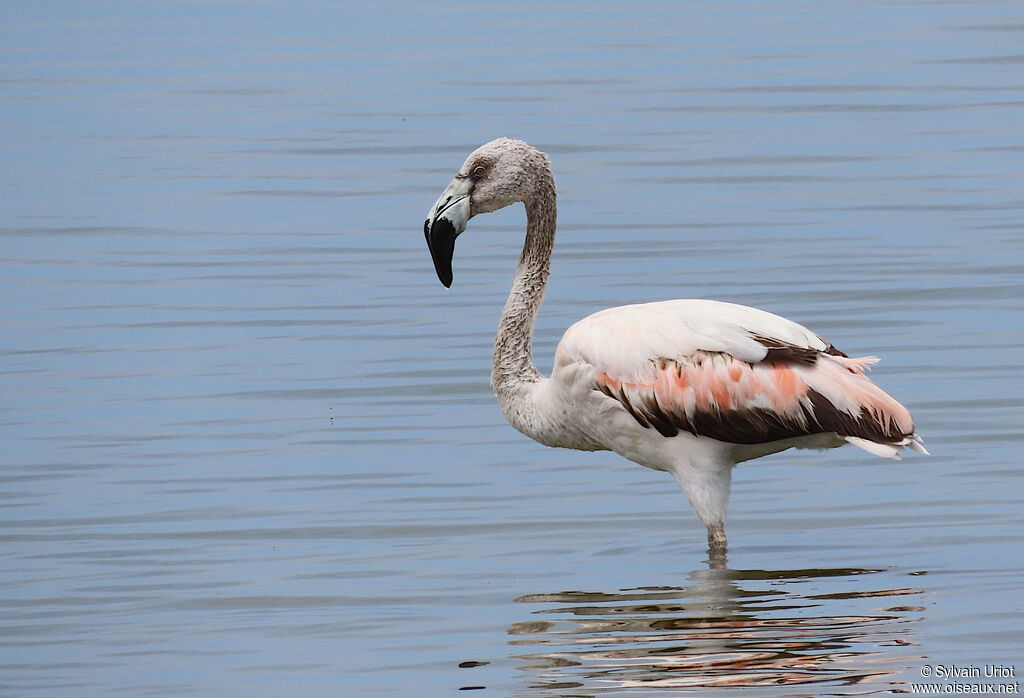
column 793, row 384
column 724, row 398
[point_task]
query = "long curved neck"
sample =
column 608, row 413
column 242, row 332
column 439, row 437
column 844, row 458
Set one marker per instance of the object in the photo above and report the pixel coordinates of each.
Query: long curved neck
column 513, row 355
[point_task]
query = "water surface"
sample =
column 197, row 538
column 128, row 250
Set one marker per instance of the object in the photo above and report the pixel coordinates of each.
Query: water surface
column 249, row 444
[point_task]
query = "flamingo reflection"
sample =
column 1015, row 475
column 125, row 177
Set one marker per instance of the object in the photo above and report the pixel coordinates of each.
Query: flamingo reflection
column 726, row 628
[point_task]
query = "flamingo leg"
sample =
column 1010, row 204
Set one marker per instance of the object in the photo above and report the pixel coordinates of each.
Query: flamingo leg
column 716, row 536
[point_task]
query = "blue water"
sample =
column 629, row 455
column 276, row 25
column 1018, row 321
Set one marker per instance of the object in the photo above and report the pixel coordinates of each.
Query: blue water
column 247, row 441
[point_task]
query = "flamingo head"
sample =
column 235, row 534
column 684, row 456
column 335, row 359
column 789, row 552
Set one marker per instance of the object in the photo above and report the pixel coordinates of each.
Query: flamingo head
column 495, row 175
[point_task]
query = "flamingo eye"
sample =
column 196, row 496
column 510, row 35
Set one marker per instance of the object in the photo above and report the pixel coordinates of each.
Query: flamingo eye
column 479, row 171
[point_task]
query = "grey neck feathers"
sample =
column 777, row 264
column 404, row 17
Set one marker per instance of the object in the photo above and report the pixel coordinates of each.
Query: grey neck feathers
column 513, row 359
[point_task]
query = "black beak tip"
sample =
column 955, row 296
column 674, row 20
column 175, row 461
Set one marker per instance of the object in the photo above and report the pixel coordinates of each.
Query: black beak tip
column 441, row 241
column 443, row 267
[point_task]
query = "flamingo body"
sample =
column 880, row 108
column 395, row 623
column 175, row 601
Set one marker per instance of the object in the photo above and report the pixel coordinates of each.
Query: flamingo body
column 690, row 387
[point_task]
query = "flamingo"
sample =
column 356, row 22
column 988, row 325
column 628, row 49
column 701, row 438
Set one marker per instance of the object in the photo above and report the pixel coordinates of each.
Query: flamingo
column 689, row 387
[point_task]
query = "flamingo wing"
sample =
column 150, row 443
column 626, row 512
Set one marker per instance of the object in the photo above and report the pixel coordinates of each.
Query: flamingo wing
column 734, row 374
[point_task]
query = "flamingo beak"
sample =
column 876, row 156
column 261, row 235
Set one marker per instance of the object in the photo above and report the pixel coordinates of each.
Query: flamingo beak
column 446, row 221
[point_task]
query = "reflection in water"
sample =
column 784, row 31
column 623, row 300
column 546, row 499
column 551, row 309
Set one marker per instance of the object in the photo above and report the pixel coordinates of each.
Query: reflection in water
column 726, row 628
